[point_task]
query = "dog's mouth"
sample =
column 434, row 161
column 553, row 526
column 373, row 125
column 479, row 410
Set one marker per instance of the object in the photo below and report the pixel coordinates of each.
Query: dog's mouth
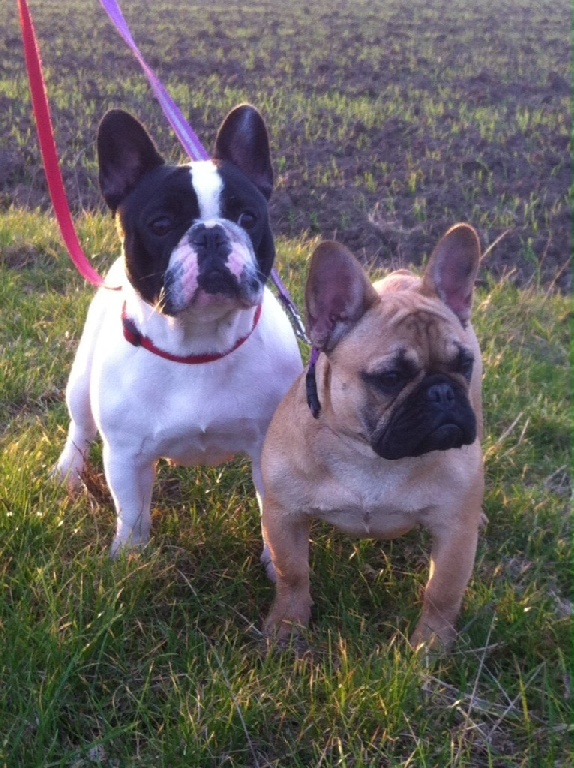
column 444, row 438
column 203, row 301
column 212, row 265
column 437, row 417
column 218, row 281
column 211, row 289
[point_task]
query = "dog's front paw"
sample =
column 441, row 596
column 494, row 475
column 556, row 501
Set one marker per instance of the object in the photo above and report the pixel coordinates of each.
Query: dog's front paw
column 433, row 639
column 121, row 544
column 284, row 623
column 281, row 630
column 68, row 470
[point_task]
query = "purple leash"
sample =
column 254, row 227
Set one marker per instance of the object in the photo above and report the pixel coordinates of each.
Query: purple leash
column 189, row 141
column 181, row 127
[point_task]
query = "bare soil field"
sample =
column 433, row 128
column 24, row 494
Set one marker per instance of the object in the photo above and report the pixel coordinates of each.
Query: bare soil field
column 389, row 121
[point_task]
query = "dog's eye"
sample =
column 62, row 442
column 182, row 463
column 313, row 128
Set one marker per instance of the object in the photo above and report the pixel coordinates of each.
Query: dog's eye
column 247, row 220
column 390, row 379
column 161, row 226
column 464, row 365
column 388, row 382
column 466, row 368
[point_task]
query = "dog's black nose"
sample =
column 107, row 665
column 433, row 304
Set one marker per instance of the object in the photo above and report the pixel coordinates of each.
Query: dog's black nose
column 209, row 242
column 441, row 394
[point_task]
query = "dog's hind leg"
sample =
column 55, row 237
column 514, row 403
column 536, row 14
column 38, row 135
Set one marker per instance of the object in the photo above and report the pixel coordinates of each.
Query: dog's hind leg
column 81, row 433
column 82, row 430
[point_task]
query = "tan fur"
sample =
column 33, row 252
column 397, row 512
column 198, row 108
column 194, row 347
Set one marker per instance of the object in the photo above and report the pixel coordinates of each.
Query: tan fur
column 326, row 469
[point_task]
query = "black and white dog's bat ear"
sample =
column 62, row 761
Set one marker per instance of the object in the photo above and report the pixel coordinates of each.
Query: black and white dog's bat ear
column 126, row 153
column 242, row 140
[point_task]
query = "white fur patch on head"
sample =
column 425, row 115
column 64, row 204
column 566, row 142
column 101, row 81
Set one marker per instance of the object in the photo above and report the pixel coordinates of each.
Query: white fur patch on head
column 208, row 185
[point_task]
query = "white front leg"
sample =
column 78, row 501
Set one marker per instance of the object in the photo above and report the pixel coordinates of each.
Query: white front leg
column 130, row 479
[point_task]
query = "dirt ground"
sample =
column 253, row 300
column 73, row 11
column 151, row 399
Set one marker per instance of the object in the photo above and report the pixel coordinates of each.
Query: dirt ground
column 399, row 184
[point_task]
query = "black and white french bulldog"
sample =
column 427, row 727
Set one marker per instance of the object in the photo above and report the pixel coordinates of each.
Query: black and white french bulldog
column 189, row 360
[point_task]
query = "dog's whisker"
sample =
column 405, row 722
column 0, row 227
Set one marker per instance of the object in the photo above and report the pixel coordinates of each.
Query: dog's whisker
column 160, row 303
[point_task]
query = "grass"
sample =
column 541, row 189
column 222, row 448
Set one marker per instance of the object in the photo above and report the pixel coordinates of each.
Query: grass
column 389, row 122
column 158, row 659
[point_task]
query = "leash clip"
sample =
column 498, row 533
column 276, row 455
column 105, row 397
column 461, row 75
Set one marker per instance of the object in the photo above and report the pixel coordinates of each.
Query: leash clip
column 292, row 311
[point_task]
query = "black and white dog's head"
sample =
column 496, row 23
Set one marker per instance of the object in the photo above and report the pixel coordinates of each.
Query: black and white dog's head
column 196, row 235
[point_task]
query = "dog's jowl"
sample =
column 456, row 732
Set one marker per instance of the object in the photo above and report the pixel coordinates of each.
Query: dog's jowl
column 189, row 360
column 392, row 440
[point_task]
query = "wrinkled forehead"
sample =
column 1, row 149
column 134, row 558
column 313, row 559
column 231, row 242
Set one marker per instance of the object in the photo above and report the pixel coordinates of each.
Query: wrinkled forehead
column 423, row 333
column 418, row 357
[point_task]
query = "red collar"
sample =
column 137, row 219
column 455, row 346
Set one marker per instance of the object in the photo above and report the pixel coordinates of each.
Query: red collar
column 136, row 338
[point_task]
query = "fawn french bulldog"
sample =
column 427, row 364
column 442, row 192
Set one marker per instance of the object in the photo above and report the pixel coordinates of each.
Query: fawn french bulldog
column 386, row 436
